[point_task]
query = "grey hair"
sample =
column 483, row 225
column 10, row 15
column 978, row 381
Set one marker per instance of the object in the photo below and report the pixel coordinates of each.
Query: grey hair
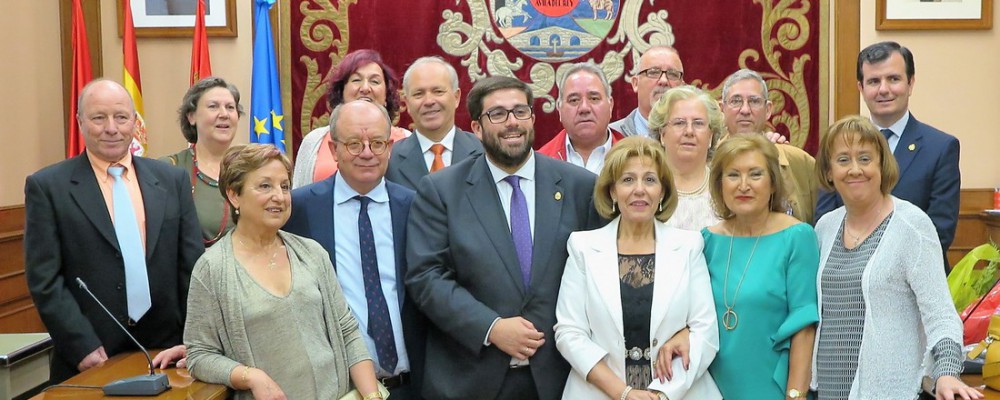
column 429, row 59
column 741, row 75
column 583, row 67
column 660, row 112
column 635, row 67
column 335, row 116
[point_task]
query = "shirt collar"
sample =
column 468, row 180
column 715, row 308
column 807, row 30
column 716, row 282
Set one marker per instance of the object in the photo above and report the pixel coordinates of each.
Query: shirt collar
column 602, row 149
column 527, row 171
column 101, row 167
column 641, row 123
column 448, row 141
column 898, row 126
column 343, row 192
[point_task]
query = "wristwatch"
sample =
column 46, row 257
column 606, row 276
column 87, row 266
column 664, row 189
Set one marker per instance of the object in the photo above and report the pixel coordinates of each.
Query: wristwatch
column 796, row 394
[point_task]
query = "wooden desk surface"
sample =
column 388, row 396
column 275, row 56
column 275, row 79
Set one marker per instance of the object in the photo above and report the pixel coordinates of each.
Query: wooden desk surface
column 976, row 381
column 182, row 385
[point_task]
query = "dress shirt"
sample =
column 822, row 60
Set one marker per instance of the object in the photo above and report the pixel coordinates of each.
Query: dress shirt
column 596, row 160
column 897, row 131
column 348, row 255
column 641, row 124
column 448, row 141
column 106, row 182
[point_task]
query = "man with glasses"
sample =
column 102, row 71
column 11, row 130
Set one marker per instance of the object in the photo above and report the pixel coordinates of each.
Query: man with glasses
column 360, row 219
column 659, row 69
column 584, row 106
column 431, row 92
column 487, row 248
column 747, row 110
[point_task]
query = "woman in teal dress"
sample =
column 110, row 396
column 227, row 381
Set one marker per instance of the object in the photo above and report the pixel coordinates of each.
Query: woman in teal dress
column 209, row 115
column 762, row 263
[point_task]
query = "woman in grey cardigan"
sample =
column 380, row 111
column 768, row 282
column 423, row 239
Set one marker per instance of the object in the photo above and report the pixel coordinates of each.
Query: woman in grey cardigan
column 886, row 317
column 266, row 315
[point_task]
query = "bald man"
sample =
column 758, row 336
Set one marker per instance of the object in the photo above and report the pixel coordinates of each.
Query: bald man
column 659, row 69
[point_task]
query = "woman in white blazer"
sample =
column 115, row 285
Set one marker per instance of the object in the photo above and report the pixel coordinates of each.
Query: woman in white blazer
column 631, row 285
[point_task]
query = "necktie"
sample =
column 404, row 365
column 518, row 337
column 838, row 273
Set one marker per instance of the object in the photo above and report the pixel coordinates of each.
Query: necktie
column 438, row 150
column 130, row 242
column 520, row 227
column 379, row 324
column 887, row 133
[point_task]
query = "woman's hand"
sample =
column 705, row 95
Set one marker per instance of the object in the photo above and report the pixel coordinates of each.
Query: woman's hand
column 678, row 345
column 636, row 394
column 950, row 387
column 166, row 357
column 263, row 387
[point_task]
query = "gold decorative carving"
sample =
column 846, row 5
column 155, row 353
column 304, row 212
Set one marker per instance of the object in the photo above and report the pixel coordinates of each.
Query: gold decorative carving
column 317, row 34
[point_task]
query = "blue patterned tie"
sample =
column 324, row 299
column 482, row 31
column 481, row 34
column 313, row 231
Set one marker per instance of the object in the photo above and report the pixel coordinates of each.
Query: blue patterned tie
column 130, row 242
column 379, row 324
column 520, row 227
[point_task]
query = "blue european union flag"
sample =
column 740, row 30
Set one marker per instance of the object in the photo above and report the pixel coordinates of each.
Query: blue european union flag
column 265, row 95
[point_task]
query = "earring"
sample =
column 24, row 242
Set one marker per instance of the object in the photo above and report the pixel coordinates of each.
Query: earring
column 237, row 211
column 661, row 205
column 613, row 203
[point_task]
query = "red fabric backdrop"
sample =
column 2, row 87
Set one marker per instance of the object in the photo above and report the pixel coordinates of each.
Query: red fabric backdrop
column 779, row 38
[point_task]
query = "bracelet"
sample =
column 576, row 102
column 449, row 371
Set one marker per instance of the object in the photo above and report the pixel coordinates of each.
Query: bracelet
column 246, row 370
column 625, row 392
column 373, row 395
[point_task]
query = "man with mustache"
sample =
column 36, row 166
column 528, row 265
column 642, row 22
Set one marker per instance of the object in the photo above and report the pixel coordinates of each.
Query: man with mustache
column 431, row 93
column 659, row 69
column 584, row 106
column 486, row 250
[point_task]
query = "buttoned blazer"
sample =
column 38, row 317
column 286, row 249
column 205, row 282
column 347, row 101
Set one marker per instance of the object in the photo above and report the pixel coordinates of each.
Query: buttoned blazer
column 69, row 234
column 929, row 178
column 590, row 326
column 464, row 272
column 312, row 217
column 407, row 165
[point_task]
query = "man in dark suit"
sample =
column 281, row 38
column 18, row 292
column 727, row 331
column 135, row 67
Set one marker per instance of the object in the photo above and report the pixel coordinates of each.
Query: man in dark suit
column 331, row 212
column 489, row 287
column 929, row 176
column 73, row 230
column 431, row 92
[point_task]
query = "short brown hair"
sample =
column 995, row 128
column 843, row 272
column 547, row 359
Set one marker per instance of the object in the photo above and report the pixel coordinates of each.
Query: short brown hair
column 847, row 129
column 736, row 146
column 614, row 166
column 240, row 161
column 190, row 103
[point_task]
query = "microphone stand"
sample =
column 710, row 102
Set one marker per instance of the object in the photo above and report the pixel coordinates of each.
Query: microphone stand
column 142, row 385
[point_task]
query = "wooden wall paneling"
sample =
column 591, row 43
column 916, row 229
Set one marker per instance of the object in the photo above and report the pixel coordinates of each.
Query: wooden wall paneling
column 17, row 312
column 847, row 42
column 971, row 230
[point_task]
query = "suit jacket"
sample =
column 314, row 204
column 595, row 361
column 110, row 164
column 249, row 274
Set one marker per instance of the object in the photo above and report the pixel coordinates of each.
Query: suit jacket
column 69, row 234
column 464, row 272
column 312, row 217
column 556, row 148
column 407, row 165
column 928, row 177
column 589, row 311
column 626, row 125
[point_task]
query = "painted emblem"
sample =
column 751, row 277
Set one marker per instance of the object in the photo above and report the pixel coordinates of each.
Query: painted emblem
column 554, row 30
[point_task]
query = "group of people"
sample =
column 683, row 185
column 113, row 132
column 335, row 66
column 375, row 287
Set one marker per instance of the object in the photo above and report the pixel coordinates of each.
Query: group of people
column 670, row 255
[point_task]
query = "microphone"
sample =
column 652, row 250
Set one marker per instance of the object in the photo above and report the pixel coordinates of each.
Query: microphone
column 142, row 385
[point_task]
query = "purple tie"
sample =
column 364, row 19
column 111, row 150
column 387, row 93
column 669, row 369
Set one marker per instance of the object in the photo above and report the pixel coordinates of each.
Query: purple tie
column 520, row 227
column 379, row 325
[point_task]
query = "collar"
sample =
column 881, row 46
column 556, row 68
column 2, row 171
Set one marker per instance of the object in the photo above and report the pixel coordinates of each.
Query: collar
column 606, row 146
column 448, row 141
column 101, row 167
column 641, row 123
column 527, row 171
column 343, row 192
column 898, row 126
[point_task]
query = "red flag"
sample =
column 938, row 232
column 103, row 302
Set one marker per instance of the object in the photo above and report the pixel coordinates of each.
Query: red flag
column 131, row 79
column 201, row 66
column 80, row 75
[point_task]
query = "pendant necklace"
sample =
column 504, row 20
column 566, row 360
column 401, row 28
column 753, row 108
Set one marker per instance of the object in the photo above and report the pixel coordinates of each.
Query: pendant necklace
column 875, row 222
column 197, row 174
column 271, row 265
column 730, row 319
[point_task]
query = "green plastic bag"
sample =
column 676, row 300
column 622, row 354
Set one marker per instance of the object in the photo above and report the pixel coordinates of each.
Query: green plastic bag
column 967, row 283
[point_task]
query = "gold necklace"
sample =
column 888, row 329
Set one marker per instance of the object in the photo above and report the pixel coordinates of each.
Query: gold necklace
column 875, row 222
column 271, row 265
column 730, row 319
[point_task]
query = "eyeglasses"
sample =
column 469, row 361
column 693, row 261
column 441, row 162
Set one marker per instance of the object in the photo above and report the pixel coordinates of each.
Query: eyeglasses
column 655, row 73
column 499, row 115
column 755, row 102
column 355, row 147
column 680, row 124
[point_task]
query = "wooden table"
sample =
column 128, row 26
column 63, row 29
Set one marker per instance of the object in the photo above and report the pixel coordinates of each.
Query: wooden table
column 976, row 381
column 182, row 385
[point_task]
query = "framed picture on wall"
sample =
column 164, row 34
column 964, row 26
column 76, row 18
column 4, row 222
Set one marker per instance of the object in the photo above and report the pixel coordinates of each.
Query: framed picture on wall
column 175, row 18
column 933, row 14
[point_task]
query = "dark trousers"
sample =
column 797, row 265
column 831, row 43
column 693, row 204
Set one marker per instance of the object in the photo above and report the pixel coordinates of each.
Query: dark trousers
column 518, row 385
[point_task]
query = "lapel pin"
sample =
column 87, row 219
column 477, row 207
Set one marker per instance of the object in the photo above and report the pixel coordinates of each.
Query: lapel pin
column 912, row 147
column 558, row 196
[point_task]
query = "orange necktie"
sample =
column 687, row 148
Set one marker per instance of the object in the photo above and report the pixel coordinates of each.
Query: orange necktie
column 438, row 163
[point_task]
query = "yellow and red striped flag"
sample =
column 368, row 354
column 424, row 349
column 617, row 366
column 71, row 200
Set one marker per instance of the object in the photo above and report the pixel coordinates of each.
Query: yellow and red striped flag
column 80, row 75
column 201, row 66
column 131, row 79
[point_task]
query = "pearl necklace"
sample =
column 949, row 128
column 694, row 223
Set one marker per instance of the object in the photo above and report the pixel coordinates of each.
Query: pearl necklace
column 697, row 190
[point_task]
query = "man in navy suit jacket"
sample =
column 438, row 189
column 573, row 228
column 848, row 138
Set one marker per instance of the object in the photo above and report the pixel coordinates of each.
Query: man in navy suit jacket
column 328, row 211
column 928, row 158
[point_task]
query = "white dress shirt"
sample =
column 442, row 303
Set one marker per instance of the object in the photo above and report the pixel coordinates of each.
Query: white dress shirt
column 897, row 131
column 448, row 141
column 595, row 162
